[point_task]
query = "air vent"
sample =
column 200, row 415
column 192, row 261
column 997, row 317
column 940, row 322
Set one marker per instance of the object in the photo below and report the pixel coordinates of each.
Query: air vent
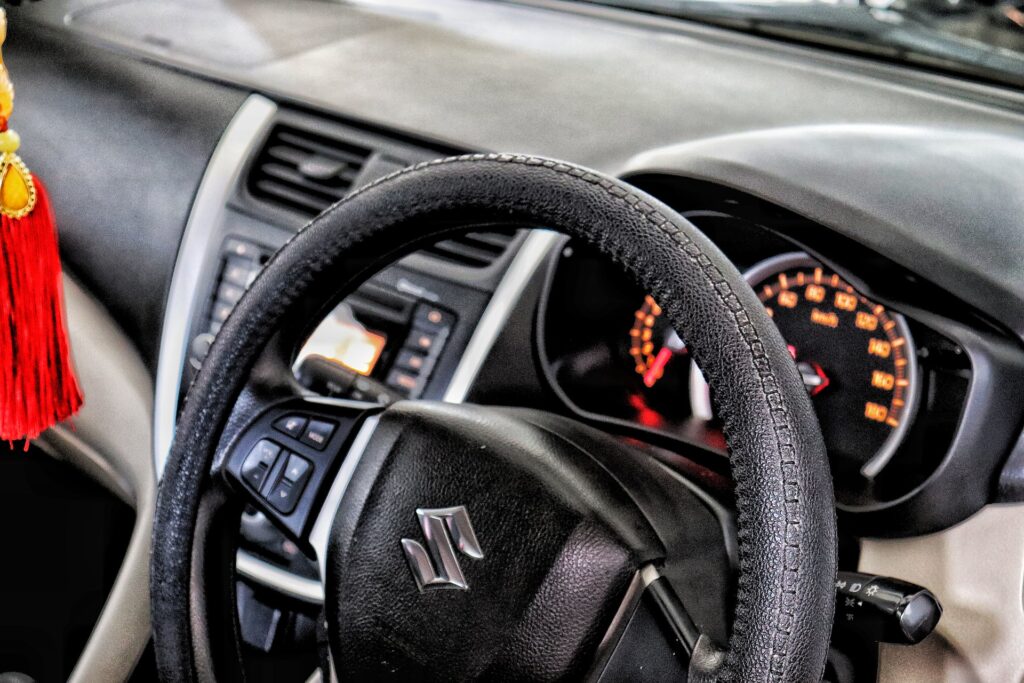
column 473, row 249
column 304, row 171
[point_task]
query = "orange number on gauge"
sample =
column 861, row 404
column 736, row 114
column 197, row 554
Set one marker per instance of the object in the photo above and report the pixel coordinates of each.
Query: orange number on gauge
column 879, row 347
column 875, row 411
column 883, row 380
column 815, row 293
column 866, row 321
column 788, row 299
column 846, row 302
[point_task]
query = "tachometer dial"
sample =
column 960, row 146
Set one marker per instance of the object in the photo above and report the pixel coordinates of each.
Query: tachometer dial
column 856, row 359
column 652, row 342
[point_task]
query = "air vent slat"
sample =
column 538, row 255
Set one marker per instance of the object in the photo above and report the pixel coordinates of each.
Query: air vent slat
column 288, row 155
column 284, row 195
column 474, row 249
column 335, row 189
column 332, row 148
column 498, row 240
column 303, row 171
column 463, row 252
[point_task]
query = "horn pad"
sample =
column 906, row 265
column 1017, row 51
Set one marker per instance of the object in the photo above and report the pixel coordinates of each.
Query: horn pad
column 472, row 544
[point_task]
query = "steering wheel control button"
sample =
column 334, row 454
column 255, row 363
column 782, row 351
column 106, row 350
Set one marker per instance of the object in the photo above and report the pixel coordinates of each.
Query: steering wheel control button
column 284, row 497
column 281, row 461
column 259, row 462
column 318, row 433
column 296, row 472
column 292, row 425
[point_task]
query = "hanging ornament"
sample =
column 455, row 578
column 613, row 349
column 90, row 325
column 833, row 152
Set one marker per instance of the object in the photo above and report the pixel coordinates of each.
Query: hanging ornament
column 38, row 387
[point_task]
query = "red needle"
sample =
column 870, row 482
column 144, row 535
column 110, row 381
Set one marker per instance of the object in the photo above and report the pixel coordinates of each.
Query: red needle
column 815, row 383
column 825, row 381
column 657, row 368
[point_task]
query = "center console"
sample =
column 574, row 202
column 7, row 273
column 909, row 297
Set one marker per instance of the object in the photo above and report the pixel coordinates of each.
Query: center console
column 421, row 328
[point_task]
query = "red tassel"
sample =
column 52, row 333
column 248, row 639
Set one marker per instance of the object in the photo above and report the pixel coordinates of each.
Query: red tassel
column 38, row 387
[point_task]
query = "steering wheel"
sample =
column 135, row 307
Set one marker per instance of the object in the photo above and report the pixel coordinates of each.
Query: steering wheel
column 545, row 533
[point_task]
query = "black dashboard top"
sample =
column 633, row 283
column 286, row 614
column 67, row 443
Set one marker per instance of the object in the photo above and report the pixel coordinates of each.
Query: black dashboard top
column 922, row 168
column 591, row 85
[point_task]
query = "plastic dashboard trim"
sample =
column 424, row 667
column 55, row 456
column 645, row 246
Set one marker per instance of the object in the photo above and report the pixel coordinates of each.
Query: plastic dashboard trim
column 236, row 145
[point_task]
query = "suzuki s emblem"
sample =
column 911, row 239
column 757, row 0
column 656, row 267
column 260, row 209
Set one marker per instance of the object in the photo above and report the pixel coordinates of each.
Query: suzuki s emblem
column 445, row 530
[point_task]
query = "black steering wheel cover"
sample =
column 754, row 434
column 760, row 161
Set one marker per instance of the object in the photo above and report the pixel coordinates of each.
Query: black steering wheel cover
column 786, row 513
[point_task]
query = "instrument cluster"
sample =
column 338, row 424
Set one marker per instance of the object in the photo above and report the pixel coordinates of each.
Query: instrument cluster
column 885, row 388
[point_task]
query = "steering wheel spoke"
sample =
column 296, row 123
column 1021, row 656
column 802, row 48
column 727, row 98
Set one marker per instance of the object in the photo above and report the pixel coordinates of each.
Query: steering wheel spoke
column 652, row 636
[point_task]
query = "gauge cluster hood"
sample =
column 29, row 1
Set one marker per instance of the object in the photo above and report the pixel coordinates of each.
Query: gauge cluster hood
column 944, row 203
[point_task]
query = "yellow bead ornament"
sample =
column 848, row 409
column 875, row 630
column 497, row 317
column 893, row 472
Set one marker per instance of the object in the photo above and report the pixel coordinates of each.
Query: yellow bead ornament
column 17, row 189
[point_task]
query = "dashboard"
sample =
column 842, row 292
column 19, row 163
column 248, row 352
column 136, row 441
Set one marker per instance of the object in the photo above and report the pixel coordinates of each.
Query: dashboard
column 879, row 224
column 909, row 379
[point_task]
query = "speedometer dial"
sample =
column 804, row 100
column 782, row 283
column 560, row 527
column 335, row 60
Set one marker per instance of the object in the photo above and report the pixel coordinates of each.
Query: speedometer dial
column 856, row 358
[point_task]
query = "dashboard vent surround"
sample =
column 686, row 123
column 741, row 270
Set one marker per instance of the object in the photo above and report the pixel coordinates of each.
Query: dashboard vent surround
column 304, row 171
column 472, row 249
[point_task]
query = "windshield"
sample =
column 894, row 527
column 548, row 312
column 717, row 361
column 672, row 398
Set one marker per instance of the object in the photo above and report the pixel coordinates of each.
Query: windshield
column 980, row 38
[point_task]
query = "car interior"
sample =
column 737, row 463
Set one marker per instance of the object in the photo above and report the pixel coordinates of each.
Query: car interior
column 629, row 340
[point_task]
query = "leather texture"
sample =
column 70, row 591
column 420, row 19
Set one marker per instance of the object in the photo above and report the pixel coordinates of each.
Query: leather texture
column 561, row 541
column 697, row 529
column 786, row 514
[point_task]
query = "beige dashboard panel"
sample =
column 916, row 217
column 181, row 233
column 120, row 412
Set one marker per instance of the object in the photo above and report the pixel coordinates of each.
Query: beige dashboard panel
column 976, row 569
column 111, row 441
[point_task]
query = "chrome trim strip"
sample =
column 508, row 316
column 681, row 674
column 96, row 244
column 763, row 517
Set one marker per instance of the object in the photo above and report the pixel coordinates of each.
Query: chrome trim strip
column 281, row 580
column 530, row 256
column 626, row 608
column 643, row 578
column 649, row 574
column 321, row 531
column 228, row 159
